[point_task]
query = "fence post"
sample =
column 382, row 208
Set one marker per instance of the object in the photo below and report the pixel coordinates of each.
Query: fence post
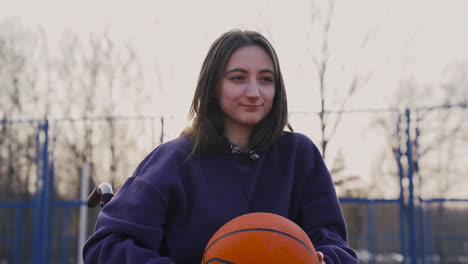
column 83, row 211
column 402, row 191
column 36, row 203
column 420, row 182
column 409, row 156
column 44, row 200
column 370, row 232
column 18, row 234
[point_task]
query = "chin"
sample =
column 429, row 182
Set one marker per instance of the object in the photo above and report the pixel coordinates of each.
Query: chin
column 248, row 121
column 251, row 123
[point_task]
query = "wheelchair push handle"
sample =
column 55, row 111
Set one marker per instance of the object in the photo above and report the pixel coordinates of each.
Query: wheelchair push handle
column 101, row 195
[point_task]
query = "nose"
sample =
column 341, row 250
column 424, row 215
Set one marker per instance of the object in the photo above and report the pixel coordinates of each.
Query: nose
column 253, row 90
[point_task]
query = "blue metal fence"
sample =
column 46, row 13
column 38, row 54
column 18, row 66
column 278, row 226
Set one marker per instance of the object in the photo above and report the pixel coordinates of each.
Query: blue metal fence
column 371, row 237
column 429, row 234
column 34, row 240
column 27, row 238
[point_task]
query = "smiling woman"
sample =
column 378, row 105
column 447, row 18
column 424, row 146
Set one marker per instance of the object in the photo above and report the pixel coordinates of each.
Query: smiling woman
column 235, row 159
column 245, row 93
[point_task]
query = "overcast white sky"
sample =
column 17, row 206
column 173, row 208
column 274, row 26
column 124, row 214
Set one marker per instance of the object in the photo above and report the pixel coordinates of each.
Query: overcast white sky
column 416, row 39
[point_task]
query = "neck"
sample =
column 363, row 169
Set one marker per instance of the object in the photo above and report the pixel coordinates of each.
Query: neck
column 239, row 136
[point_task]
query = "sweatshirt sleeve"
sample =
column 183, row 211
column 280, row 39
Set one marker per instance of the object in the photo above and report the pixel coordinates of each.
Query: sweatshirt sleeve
column 129, row 229
column 320, row 213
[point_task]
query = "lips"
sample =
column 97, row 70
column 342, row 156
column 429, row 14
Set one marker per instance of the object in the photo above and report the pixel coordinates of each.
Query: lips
column 248, row 105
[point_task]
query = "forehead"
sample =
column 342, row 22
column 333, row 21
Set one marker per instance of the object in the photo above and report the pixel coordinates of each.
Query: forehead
column 250, row 58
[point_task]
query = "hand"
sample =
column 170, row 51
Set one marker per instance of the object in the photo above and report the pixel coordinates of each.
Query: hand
column 320, row 257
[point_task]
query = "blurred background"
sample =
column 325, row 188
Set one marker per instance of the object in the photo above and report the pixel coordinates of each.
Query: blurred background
column 88, row 88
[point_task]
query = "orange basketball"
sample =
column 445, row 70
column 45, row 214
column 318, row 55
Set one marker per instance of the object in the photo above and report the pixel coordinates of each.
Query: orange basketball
column 260, row 238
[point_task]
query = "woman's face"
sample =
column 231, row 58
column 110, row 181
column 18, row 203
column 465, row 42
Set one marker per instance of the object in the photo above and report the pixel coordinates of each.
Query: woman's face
column 247, row 88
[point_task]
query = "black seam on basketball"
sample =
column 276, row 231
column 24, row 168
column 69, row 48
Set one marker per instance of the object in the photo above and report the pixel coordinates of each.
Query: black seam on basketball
column 219, row 260
column 266, row 230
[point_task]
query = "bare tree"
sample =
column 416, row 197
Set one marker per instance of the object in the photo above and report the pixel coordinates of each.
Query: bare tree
column 442, row 144
column 438, row 128
column 333, row 100
column 19, row 100
column 122, row 71
column 438, row 140
column 100, row 77
column 20, row 97
column 324, row 16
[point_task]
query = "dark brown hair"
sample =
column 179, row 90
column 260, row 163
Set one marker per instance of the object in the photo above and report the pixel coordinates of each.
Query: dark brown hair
column 207, row 128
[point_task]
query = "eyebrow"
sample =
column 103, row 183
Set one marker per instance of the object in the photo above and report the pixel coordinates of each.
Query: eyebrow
column 245, row 71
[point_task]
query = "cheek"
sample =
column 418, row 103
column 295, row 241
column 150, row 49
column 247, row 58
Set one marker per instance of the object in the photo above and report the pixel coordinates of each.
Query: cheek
column 229, row 95
column 225, row 99
column 270, row 95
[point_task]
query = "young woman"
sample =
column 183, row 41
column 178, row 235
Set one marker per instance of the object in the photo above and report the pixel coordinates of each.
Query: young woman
column 236, row 158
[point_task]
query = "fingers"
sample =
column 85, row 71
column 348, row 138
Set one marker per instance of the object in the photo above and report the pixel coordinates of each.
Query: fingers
column 320, row 256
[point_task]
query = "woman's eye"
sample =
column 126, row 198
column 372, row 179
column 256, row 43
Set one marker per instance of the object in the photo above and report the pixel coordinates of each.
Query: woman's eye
column 237, row 78
column 267, row 79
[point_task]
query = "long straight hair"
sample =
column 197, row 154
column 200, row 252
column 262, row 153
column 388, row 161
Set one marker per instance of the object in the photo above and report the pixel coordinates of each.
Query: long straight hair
column 207, row 129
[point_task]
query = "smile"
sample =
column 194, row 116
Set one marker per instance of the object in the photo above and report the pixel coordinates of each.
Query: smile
column 245, row 105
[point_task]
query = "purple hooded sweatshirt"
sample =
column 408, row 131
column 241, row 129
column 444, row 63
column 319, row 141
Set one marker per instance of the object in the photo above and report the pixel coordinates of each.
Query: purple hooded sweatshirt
column 171, row 206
